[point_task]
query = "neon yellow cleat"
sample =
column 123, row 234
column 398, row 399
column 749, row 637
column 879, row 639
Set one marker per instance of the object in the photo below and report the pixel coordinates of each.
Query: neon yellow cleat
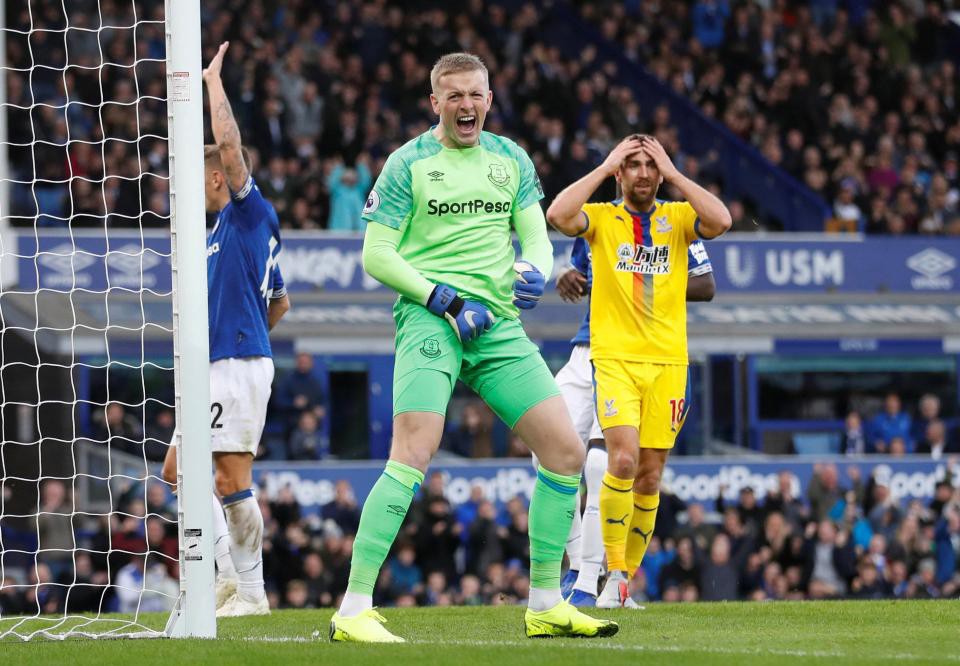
column 565, row 620
column 367, row 627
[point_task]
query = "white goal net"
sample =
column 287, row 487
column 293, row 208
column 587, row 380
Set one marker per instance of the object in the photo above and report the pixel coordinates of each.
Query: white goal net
column 90, row 535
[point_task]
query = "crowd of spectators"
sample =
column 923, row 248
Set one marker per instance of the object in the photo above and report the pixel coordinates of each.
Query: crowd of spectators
column 893, row 431
column 857, row 540
column 861, row 106
column 859, row 101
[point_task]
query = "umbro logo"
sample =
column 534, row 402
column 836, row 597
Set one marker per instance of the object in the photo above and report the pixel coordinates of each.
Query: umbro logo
column 435, row 176
column 396, row 510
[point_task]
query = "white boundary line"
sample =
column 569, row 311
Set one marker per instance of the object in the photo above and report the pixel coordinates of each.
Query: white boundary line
column 618, row 647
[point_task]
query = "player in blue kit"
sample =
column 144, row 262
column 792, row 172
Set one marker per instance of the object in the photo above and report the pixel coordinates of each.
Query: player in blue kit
column 246, row 298
column 575, row 379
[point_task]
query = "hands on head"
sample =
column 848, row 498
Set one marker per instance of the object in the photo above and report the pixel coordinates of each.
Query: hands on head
column 645, row 146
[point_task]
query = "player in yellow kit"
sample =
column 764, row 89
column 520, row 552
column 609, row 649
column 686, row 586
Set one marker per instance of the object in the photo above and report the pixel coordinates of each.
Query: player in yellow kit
column 638, row 337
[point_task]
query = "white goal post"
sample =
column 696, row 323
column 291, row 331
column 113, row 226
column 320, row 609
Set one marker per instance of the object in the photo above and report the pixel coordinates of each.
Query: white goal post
column 194, row 615
column 82, row 182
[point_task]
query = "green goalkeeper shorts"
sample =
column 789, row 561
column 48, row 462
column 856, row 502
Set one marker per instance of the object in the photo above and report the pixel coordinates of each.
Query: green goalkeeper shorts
column 502, row 365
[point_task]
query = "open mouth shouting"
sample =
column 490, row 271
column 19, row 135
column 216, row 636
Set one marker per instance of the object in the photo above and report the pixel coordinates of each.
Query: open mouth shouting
column 467, row 124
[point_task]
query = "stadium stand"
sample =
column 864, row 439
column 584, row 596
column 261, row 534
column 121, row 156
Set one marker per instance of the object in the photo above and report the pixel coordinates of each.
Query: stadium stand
column 832, row 541
column 859, row 107
column 858, row 102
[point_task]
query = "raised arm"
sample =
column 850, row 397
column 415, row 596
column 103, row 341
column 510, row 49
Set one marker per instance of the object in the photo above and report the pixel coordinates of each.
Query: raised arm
column 226, row 133
column 564, row 213
column 713, row 215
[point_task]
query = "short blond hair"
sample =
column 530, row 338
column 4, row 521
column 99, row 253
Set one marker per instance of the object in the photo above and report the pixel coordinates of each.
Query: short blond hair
column 211, row 157
column 454, row 63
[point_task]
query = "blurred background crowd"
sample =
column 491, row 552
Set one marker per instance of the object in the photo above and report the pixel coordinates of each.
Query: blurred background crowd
column 857, row 100
column 826, row 541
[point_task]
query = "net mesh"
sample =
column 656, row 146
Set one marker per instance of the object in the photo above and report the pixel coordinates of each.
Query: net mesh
column 88, row 541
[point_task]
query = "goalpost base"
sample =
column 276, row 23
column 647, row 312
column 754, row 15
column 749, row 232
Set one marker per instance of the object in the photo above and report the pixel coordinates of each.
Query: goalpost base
column 176, row 624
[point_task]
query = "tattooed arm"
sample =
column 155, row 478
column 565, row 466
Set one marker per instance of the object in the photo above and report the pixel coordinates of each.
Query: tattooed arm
column 226, row 133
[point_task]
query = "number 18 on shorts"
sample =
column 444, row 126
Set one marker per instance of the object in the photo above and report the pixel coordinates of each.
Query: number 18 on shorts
column 651, row 397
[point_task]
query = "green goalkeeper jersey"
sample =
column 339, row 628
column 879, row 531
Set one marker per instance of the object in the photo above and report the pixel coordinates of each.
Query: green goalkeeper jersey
column 454, row 207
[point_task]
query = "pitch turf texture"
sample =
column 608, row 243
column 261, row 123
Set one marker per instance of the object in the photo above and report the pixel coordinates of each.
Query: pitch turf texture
column 912, row 632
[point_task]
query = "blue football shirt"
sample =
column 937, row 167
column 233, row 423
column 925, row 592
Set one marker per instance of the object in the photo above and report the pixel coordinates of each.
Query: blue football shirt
column 242, row 275
column 698, row 264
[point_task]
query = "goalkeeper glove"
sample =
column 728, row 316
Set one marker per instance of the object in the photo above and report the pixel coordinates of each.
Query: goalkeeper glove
column 469, row 319
column 529, row 285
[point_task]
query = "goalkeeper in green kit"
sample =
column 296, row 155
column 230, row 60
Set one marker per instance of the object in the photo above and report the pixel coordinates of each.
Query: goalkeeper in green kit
column 439, row 232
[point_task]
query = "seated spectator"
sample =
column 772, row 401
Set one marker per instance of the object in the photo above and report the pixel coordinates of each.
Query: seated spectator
column 898, row 447
column 783, row 500
column 683, row 569
column 924, row 584
column 854, row 441
column 868, row 584
column 929, row 410
column 317, row 580
column 829, row 561
column 123, row 430
column 343, row 509
column 297, row 595
column 306, row 442
column 484, row 539
column 845, row 207
column 824, row 490
column 473, row 437
column 159, row 433
column 436, row 593
column 284, row 510
column 405, row 575
column 751, row 515
column 300, row 391
column 54, row 525
column 935, row 442
column 885, row 515
column 466, row 512
column 720, row 572
column 470, row 594
column 437, row 539
column 891, row 422
column 696, row 527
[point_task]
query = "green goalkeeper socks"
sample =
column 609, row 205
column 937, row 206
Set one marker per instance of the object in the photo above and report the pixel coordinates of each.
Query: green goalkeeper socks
column 380, row 520
column 551, row 513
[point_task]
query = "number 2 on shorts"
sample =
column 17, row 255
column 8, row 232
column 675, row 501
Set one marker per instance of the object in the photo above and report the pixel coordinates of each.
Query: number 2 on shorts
column 217, row 410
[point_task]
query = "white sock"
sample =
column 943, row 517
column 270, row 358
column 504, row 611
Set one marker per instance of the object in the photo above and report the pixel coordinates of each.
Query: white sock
column 221, row 544
column 355, row 603
column 245, row 523
column 541, row 600
column 574, row 548
column 591, row 544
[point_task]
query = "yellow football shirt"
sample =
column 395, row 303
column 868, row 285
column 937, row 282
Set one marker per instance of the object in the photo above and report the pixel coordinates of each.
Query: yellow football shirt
column 638, row 305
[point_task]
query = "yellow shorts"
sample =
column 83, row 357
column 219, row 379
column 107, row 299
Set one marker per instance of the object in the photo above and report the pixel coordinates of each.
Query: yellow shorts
column 652, row 397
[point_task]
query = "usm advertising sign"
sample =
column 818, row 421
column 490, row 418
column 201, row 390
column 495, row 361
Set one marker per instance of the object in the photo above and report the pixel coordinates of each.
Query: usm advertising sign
column 327, row 263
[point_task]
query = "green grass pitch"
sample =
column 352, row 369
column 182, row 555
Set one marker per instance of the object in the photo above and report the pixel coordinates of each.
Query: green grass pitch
column 903, row 632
